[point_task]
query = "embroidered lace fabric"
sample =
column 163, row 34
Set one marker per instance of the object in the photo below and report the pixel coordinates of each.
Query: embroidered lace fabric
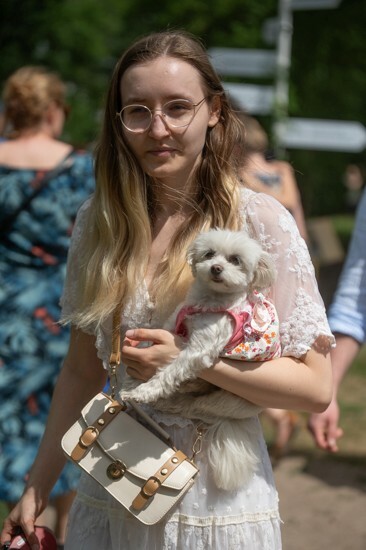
column 208, row 517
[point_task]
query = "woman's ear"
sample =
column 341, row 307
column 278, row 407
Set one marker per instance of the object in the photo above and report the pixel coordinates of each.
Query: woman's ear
column 215, row 111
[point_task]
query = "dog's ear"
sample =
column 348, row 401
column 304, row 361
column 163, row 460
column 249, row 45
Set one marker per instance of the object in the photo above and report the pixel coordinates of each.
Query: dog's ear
column 264, row 273
column 191, row 258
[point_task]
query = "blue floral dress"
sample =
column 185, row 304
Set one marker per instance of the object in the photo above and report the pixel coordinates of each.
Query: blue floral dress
column 33, row 256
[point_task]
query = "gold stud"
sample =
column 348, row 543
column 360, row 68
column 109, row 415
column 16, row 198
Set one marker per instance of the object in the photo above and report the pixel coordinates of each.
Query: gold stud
column 164, row 471
column 111, row 410
column 101, row 422
column 175, row 460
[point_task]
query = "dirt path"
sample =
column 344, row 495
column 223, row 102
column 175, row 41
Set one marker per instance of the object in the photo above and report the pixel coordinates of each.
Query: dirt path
column 322, row 502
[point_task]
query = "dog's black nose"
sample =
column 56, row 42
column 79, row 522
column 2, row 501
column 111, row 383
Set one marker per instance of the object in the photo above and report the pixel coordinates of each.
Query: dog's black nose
column 216, row 269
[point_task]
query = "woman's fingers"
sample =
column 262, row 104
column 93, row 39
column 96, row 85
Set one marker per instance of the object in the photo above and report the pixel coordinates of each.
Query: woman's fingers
column 157, row 336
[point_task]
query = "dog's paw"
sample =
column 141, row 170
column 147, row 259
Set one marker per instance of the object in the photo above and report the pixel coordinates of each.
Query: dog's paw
column 125, row 395
column 138, row 395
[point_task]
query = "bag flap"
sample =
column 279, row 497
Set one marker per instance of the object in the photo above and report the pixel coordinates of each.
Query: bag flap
column 127, row 440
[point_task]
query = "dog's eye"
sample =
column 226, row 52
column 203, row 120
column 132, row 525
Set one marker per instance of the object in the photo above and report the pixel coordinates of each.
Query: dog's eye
column 235, row 260
column 209, row 254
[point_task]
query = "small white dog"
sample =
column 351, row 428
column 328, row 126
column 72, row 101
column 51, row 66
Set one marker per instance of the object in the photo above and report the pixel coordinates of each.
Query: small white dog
column 224, row 310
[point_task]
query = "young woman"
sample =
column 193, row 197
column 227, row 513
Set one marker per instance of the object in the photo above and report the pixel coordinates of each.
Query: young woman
column 34, row 240
column 164, row 173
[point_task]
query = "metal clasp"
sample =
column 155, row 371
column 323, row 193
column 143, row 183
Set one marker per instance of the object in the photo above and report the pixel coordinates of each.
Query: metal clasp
column 197, row 444
column 113, row 378
column 116, row 470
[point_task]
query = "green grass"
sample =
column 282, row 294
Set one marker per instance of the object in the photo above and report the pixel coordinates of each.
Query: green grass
column 343, row 224
column 359, row 365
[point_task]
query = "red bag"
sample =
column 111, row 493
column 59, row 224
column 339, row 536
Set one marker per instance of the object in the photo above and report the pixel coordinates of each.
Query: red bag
column 45, row 536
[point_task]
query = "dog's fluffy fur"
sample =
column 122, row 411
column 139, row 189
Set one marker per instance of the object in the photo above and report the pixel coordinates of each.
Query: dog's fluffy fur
column 227, row 266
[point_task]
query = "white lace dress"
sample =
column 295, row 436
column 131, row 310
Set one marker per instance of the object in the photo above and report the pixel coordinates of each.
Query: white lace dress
column 207, row 517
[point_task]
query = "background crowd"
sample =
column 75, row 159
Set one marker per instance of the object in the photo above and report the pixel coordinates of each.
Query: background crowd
column 46, row 173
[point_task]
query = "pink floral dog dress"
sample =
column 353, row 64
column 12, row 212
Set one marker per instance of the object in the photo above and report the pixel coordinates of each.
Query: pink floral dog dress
column 256, row 329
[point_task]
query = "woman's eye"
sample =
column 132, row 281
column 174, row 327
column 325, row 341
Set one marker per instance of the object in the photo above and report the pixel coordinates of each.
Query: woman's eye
column 209, row 254
column 235, row 260
column 177, row 107
column 138, row 109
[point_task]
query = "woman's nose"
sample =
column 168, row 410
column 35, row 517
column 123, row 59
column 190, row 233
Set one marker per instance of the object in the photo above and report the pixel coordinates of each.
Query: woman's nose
column 158, row 126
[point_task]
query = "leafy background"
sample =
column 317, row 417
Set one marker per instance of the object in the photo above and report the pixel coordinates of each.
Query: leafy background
column 82, row 39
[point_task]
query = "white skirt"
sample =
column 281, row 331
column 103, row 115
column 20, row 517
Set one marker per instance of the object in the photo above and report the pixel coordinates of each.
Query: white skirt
column 206, row 517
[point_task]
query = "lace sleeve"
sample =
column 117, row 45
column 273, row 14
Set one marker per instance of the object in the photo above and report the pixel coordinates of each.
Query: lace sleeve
column 69, row 297
column 295, row 293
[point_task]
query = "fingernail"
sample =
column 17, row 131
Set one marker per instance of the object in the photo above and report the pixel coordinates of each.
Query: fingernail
column 130, row 333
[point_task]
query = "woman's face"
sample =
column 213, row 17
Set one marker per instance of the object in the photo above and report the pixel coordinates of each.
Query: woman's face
column 166, row 153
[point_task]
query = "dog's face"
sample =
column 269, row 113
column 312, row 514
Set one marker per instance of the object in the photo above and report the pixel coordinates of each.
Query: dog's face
column 230, row 262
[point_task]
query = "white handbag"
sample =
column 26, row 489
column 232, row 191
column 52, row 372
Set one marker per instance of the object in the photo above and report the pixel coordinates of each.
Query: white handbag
column 144, row 473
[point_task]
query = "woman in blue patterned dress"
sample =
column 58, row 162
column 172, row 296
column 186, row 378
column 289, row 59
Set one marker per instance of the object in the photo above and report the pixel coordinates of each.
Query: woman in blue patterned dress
column 33, row 250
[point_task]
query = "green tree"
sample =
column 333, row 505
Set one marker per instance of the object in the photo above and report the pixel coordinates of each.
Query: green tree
column 81, row 39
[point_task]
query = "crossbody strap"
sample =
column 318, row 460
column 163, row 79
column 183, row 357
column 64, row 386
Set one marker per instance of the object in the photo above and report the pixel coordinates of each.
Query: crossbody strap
column 114, row 363
column 61, row 167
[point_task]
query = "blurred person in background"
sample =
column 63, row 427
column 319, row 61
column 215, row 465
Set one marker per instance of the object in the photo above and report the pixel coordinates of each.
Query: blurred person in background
column 353, row 181
column 43, row 182
column 275, row 178
column 347, row 319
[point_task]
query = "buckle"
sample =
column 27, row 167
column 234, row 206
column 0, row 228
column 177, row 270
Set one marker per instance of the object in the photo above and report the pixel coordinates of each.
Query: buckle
column 88, row 437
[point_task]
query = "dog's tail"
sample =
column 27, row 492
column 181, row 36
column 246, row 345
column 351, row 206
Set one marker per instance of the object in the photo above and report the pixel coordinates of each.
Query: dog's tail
column 233, row 452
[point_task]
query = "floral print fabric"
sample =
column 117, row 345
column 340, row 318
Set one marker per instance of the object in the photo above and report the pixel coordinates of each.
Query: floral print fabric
column 32, row 345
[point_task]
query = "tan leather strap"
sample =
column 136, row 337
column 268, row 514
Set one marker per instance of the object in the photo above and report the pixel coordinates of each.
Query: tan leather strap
column 115, row 357
column 154, row 482
column 92, row 432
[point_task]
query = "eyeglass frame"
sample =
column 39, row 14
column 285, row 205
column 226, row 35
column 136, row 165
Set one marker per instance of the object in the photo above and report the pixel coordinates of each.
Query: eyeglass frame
column 163, row 116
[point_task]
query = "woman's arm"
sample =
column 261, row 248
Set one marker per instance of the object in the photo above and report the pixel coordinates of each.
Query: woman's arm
column 324, row 427
column 286, row 382
column 81, row 377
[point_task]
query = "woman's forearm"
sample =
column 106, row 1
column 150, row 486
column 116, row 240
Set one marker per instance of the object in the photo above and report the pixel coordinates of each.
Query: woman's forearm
column 343, row 356
column 285, row 383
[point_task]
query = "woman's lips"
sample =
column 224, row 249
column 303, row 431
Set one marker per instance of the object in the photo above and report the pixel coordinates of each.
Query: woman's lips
column 166, row 152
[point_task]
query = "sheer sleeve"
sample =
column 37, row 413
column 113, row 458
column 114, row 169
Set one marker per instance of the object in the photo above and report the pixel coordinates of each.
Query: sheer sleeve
column 69, row 296
column 295, row 293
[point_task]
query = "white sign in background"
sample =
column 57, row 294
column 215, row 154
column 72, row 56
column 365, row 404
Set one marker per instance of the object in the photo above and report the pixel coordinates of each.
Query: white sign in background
column 323, row 135
column 294, row 133
column 241, row 62
column 252, row 98
column 314, row 4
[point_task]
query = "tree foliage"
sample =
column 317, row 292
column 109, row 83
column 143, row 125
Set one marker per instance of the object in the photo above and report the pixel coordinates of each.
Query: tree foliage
column 81, row 39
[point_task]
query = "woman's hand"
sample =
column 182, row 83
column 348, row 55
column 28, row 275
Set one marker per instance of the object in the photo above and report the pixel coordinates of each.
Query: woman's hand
column 24, row 515
column 144, row 351
column 325, row 429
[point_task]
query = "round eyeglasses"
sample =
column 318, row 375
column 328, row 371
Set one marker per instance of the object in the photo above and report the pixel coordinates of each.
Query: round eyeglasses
column 177, row 114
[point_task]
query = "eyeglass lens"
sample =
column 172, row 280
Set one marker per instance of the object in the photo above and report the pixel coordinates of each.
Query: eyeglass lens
column 177, row 113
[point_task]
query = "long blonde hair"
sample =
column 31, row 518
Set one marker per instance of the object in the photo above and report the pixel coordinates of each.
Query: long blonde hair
column 116, row 246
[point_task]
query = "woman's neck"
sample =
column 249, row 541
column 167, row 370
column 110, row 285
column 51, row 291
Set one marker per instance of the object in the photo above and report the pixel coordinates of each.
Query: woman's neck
column 172, row 200
column 36, row 151
column 32, row 134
